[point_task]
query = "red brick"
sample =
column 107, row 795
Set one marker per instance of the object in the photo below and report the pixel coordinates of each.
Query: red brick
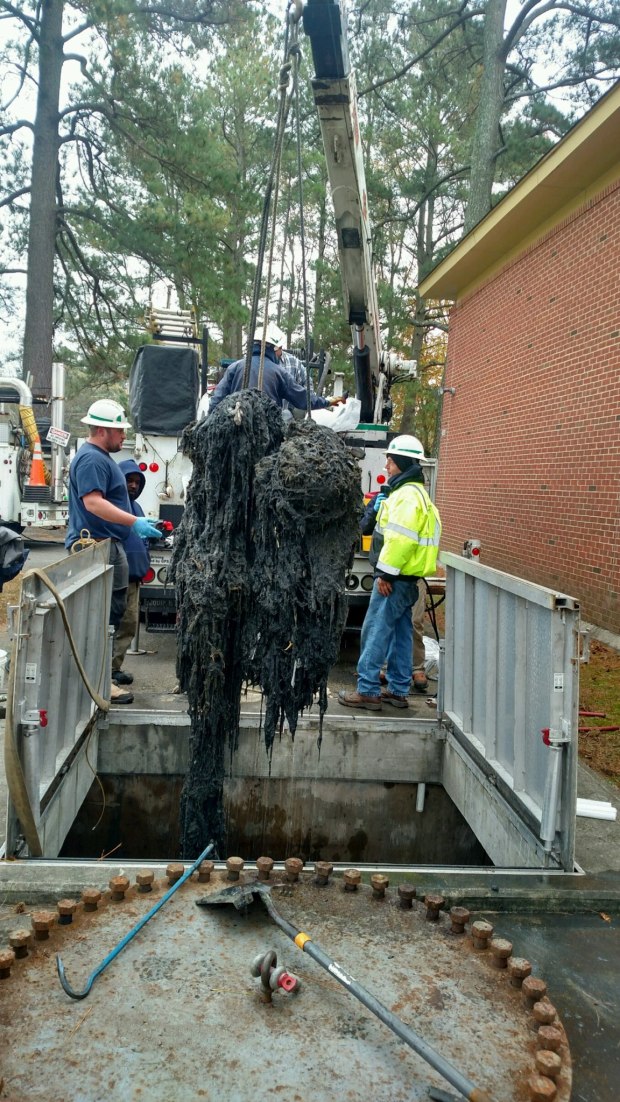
column 536, row 405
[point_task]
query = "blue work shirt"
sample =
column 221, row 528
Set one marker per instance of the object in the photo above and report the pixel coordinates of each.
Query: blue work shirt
column 278, row 383
column 93, row 469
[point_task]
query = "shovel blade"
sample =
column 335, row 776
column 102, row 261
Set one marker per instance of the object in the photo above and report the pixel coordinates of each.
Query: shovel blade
column 240, row 895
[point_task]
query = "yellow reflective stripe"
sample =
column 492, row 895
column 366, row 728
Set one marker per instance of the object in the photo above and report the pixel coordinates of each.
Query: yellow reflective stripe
column 424, row 541
column 301, row 940
column 420, row 489
column 386, row 568
column 408, row 532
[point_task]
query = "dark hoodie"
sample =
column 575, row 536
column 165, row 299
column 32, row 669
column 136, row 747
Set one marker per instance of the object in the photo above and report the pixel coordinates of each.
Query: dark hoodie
column 136, row 549
column 412, row 473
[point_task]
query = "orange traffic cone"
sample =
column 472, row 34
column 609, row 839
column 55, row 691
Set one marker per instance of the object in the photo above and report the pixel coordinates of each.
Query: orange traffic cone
column 37, row 467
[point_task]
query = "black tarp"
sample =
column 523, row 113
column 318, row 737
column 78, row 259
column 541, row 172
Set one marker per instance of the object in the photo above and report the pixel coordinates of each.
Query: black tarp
column 164, row 387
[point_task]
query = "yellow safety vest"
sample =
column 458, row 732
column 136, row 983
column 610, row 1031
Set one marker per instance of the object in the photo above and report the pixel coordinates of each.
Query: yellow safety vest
column 410, row 527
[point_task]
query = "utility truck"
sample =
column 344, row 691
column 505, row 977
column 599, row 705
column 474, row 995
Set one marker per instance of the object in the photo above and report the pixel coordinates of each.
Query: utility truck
column 166, row 383
column 33, row 458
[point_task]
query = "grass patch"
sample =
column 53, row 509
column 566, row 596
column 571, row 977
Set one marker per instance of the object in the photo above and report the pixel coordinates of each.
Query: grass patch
column 599, row 684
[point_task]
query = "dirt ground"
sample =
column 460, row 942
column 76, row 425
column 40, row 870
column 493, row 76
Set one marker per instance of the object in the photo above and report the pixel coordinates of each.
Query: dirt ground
column 599, row 692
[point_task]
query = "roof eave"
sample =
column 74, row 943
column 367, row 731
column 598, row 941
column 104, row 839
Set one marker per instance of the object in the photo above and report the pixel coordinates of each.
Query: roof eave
column 563, row 179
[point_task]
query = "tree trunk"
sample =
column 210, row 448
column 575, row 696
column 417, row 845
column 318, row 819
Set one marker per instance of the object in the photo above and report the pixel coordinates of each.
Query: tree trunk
column 424, row 259
column 39, row 326
column 488, row 115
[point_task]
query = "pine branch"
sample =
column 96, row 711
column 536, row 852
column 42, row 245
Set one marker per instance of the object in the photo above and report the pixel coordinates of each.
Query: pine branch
column 565, row 82
column 15, row 13
column 15, row 126
column 8, row 199
column 203, row 18
column 530, row 13
column 463, row 16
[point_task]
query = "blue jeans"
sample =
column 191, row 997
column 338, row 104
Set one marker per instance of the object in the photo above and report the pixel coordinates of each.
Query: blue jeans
column 387, row 633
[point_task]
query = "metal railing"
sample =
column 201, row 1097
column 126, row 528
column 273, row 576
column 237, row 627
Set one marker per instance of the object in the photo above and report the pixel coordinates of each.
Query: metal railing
column 510, row 693
column 51, row 731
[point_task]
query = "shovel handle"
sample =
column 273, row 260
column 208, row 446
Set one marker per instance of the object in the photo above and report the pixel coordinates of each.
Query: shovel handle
column 463, row 1085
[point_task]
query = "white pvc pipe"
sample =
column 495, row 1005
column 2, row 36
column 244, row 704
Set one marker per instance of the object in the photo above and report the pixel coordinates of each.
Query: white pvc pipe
column 596, row 809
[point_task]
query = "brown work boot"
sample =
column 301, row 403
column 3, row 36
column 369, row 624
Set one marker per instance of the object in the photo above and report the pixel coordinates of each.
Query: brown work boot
column 393, row 699
column 120, row 696
column 356, row 700
column 420, row 681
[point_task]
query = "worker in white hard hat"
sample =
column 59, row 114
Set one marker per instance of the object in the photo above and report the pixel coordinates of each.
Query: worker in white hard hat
column 99, row 503
column 278, row 383
column 405, row 529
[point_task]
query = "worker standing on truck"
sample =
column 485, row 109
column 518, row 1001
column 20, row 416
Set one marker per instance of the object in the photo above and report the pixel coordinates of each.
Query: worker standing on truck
column 138, row 561
column 406, row 530
column 278, row 383
column 99, row 506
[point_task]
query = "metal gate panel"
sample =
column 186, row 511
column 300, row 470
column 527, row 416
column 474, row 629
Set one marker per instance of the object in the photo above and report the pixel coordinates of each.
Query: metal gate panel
column 511, row 692
column 51, row 713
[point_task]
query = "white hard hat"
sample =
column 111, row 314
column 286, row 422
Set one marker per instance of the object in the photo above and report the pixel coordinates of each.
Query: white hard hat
column 106, row 414
column 406, row 445
column 272, row 336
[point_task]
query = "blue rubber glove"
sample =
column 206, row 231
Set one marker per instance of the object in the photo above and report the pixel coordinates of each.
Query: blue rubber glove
column 378, row 500
column 146, row 530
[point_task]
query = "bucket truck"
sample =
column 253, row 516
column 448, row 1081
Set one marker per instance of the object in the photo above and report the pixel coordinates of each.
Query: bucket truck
column 335, row 97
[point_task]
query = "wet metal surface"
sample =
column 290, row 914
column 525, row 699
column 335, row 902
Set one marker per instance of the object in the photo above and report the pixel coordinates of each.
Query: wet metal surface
column 579, row 956
column 179, row 1016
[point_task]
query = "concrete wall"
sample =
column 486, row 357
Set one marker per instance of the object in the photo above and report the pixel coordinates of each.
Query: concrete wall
column 345, row 821
column 355, row 801
column 529, row 453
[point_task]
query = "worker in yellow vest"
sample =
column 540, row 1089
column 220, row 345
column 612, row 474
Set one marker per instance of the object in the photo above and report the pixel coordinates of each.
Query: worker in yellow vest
column 406, row 529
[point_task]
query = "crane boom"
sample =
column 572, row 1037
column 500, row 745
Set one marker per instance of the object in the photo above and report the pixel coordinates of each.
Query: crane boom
column 335, row 97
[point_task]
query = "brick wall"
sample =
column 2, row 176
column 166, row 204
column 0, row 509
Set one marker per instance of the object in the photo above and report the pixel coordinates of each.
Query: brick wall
column 529, row 458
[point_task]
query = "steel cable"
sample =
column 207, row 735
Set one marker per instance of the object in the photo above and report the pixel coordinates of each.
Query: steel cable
column 283, row 109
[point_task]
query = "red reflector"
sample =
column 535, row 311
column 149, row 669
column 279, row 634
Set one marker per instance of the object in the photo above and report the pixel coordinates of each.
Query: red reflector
column 153, row 467
column 381, row 479
column 142, row 466
column 150, row 575
column 475, row 550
